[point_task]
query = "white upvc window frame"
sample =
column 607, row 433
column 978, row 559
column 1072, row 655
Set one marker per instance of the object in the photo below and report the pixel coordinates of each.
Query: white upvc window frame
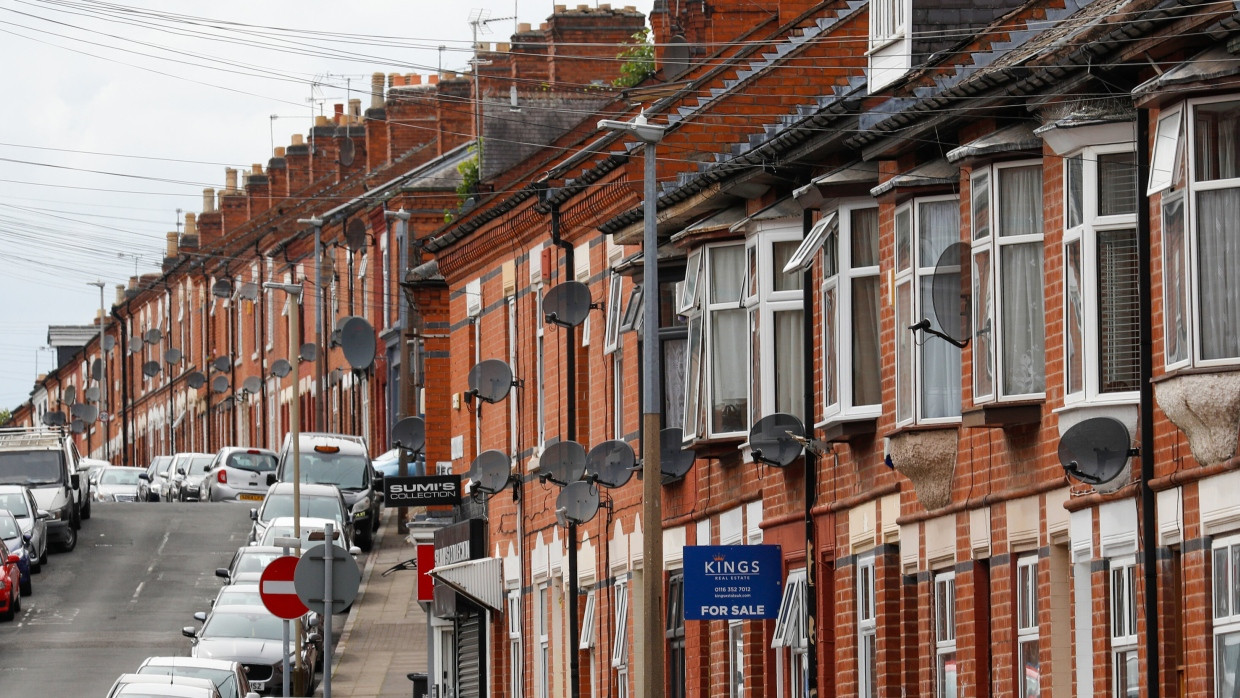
column 542, row 630
column 867, row 627
column 1225, row 578
column 611, row 335
column 1122, row 577
column 943, row 615
column 620, row 637
column 699, row 422
column 586, row 639
column 736, row 659
column 541, row 361
column 888, row 20
column 1082, row 301
column 385, row 278
column 1027, row 628
column 765, row 303
column 841, row 274
column 516, row 660
column 989, row 242
column 790, row 640
column 910, row 352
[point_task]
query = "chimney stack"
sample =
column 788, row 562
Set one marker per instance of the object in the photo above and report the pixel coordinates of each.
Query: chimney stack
column 230, row 180
column 355, row 111
column 120, row 294
column 376, row 91
column 191, row 224
column 172, row 244
column 208, row 200
column 280, row 151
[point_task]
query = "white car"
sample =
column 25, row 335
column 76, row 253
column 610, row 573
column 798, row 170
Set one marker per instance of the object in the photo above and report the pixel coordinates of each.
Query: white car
column 313, row 532
column 229, row 677
column 161, row 685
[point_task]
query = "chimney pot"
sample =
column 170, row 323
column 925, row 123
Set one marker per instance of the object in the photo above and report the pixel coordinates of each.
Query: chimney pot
column 376, row 90
column 605, row 6
column 355, row 109
column 172, row 244
column 280, row 151
column 432, row 79
column 208, row 200
column 120, row 294
column 256, row 169
column 413, row 79
column 483, row 47
column 298, row 139
column 322, row 120
column 630, row 8
column 502, row 47
column 447, row 75
column 560, row 9
column 523, row 28
column 583, row 8
column 230, row 180
column 191, row 224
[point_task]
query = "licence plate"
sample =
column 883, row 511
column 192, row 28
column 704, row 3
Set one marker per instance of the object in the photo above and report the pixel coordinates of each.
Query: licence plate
column 250, row 497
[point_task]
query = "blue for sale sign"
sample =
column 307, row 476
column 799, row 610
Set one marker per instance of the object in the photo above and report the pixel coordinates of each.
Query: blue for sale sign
column 732, row 582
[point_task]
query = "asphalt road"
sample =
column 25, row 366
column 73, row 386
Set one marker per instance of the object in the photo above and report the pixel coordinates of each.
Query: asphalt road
column 137, row 576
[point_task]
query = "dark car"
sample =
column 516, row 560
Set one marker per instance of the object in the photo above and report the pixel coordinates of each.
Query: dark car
column 151, row 489
column 19, row 500
column 188, row 471
column 344, row 461
column 253, row 637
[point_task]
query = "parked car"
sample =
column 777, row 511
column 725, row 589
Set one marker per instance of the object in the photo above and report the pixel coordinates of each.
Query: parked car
column 116, row 483
column 90, row 468
column 17, row 543
column 313, row 532
column 238, row 474
column 246, row 594
column 153, row 481
column 186, row 479
column 19, row 500
column 248, row 563
column 148, row 690
column 155, row 684
column 253, row 637
column 46, row 461
column 344, row 461
column 388, row 463
column 10, row 584
column 317, row 501
column 229, row 677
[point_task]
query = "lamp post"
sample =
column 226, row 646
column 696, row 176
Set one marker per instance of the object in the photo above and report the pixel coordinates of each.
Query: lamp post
column 294, row 292
column 652, row 398
column 103, row 377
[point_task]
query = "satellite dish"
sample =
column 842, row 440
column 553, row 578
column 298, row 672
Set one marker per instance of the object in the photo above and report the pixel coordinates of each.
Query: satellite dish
column 563, row 462
column 220, row 384
column 153, row 336
column 675, row 461
column 308, row 352
column 91, row 394
column 252, row 385
column 489, row 471
column 951, row 295
column 347, row 152
column 150, row 369
column 490, row 380
column 357, row 338
column 55, row 418
column 69, row 394
column 108, row 342
column 410, row 433
column 611, row 463
column 173, row 356
column 77, row 426
column 355, row 234
column 84, row 412
column 1096, row 451
column 135, row 344
column 567, row 304
column 96, row 369
column 771, row 439
column 281, row 368
column 222, row 288
column 248, row 291
column 196, row 380
column 221, row 363
column 578, row 503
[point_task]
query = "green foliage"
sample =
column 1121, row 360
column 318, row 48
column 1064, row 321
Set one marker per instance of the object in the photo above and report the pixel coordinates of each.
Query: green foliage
column 5, row 416
column 470, row 176
column 637, row 60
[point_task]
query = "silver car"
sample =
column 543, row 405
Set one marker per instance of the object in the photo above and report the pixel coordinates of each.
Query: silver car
column 188, row 470
column 115, row 483
column 248, row 563
column 20, row 501
column 238, row 474
column 229, row 677
column 253, row 637
column 317, row 501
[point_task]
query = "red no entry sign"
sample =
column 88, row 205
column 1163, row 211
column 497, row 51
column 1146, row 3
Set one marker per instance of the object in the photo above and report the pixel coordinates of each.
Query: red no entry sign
column 275, row 588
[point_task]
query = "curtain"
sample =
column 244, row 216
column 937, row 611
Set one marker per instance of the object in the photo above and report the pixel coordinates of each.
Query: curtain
column 1074, row 336
column 789, row 362
column 938, row 227
column 1218, row 254
column 1175, row 282
column 729, row 372
column 1020, row 270
column 866, row 351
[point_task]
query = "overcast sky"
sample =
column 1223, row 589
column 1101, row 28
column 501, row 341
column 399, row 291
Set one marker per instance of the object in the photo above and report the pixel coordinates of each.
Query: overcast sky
column 117, row 116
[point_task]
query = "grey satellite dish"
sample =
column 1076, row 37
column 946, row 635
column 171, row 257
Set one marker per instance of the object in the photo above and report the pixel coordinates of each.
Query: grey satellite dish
column 355, row 234
column 308, row 352
column 409, row 433
column 83, row 412
column 567, row 304
column 153, row 336
column 55, row 418
column 252, row 385
column 196, row 380
column 96, row 369
column 610, row 463
column 772, row 441
column 108, row 342
column 150, row 369
column 951, row 295
column 69, row 394
column 135, row 344
column 173, row 356
column 347, row 152
column 91, row 394
column 220, row 384
column 77, row 426
column 563, row 462
column 281, row 368
column 227, row 403
column 489, row 471
column 357, row 338
column 490, row 380
column 248, row 291
column 675, row 461
column 221, row 363
column 222, row 288
column 578, row 502
column 1096, row 451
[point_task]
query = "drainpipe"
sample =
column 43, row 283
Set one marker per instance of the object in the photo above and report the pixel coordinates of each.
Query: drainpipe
column 124, row 362
column 811, row 469
column 1149, row 530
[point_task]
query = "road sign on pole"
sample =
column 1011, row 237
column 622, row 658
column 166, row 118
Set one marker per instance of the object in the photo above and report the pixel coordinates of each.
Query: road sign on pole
column 309, row 579
column 277, row 589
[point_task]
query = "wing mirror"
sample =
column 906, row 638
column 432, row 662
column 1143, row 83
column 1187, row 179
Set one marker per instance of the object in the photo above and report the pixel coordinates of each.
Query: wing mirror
column 314, row 638
column 144, row 476
column 271, row 479
column 13, row 559
column 181, row 472
column 200, row 616
column 43, row 515
column 254, row 515
column 221, row 572
column 75, row 481
column 190, row 632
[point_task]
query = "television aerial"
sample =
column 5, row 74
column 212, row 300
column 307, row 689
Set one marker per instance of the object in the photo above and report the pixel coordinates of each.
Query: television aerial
column 281, row 368
column 173, row 356
column 577, row 503
column 220, row 384
column 153, row 336
column 951, row 294
column 150, row 369
column 357, row 338
column 410, row 434
column 196, row 380
column 675, row 460
column 221, row 363
column 489, row 472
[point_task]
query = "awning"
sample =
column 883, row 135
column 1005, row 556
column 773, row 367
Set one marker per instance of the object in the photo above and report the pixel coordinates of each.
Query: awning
column 1202, row 71
column 480, row 581
column 1005, row 140
column 719, row 220
column 804, row 256
column 814, row 194
column 932, row 173
column 786, row 207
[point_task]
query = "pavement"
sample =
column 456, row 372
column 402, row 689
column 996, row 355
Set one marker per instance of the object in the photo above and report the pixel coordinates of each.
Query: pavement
column 384, row 636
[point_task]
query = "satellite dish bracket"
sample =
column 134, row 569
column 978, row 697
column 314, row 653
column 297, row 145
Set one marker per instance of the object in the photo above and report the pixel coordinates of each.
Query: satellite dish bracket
column 924, row 326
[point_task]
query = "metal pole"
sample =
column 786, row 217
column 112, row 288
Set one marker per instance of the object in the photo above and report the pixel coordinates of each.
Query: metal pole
column 320, row 361
column 104, row 418
column 1149, row 530
column 652, row 483
column 286, row 622
column 327, row 610
column 811, row 475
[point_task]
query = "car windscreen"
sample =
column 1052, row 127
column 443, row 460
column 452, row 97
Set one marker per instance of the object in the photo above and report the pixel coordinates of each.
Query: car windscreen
column 344, row 470
column 278, row 505
column 30, row 468
column 253, row 462
column 199, row 465
column 259, row 625
column 16, row 503
column 119, row 476
column 165, row 468
column 229, row 597
column 225, row 681
column 254, row 562
column 9, row 527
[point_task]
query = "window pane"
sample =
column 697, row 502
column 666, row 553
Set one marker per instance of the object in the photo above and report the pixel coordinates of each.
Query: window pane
column 1119, row 311
column 755, row 367
column 1235, row 576
column 694, row 378
column 726, row 273
column 1216, row 146
column 983, row 336
column 871, row 662
column 1075, row 191
column 940, row 371
column 729, row 372
column 1128, row 679
column 1227, row 664
column 674, row 362
column 1222, row 595
column 946, row 679
column 981, row 205
column 1021, row 201
column 781, row 252
column 1219, row 255
column 1030, row 675
column 1024, row 322
column 904, row 352
column 1175, row 282
column 938, row 227
column 866, row 352
column 1074, row 337
column 831, row 358
column 864, row 235
column 1117, row 183
column 789, row 362
column 831, row 256
column 904, row 239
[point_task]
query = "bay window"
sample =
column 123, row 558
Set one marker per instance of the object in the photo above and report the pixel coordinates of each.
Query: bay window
column 717, row 395
column 927, row 372
column 1101, row 311
column 850, row 310
column 1009, row 354
column 1226, row 583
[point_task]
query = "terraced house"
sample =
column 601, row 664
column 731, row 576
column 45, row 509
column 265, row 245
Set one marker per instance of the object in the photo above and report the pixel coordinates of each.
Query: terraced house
column 981, row 253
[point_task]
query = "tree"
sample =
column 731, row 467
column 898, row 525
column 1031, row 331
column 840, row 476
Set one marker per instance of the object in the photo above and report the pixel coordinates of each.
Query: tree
column 637, row 60
column 5, row 416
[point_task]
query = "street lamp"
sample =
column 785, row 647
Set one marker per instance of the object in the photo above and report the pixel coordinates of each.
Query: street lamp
column 652, row 399
column 103, row 377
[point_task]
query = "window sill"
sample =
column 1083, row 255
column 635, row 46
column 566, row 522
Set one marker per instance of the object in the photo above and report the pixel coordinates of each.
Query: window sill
column 1195, row 371
column 845, row 428
column 1001, row 415
column 726, row 448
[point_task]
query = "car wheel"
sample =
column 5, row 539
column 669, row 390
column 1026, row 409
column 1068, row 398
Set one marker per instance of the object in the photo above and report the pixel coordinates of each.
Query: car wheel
column 36, row 566
column 70, row 541
column 374, row 519
column 365, row 540
column 43, row 557
column 17, row 603
column 86, row 510
column 27, row 587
